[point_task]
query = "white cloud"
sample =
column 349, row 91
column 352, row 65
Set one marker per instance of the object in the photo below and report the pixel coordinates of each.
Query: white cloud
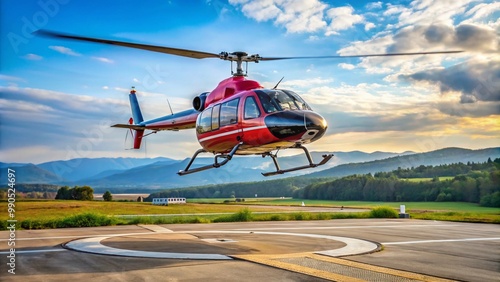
column 313, row 38
column 37, row 112
column 299, row 16
column 359, row 104
column 306, row 82
column 473, row 81
column 32, row 57
column 10, row 78
column 346, row 66
column 258, row 10
column 425, row 12
column 369, row 26
column 342, row 18
column 374, row 5
column 104, row 60
column 370, row 46
column 480, row 12
column 302, row 16
column 393, row 10
column 475, row 39
column 64, row 50
column 295, row 15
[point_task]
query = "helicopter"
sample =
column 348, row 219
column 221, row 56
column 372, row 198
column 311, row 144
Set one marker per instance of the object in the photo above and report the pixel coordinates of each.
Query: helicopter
column 239, row 116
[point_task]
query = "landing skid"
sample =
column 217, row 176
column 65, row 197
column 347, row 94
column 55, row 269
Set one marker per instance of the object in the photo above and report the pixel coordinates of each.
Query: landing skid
column 226, row 157
column 325, row 159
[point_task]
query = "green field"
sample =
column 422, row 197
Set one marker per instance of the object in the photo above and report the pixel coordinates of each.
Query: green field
column 37, row 214
column 54, row 209
column 451, row 211
column 415, row 206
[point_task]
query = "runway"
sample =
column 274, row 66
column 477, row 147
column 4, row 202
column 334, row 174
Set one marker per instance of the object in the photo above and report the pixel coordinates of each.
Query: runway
column 330, row 250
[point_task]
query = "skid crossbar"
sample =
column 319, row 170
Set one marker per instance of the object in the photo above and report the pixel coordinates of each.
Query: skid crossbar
column 226, row 157
column 311, row 164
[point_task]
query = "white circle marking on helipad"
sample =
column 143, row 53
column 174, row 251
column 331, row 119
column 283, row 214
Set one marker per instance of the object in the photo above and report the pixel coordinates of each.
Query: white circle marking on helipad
column 93, row 245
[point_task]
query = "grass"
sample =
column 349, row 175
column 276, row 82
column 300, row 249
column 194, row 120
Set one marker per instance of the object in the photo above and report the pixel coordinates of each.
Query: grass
column 79, row 220
column 459, row 216
column 54, row 209
column 221, row 200
column 410, row 206
column 59, row 214
column 383, row 212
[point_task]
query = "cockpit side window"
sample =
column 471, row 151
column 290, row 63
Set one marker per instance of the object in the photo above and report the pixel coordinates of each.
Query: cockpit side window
column 281, row 100
column 215, row 117
column 298, row 100
column 285, row 101
column 251, row 108
column 268, row 105
column 204, row 122
column 229, row 112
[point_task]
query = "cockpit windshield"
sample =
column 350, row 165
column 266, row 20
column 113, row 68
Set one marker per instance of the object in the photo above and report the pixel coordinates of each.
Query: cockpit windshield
column 281, row 100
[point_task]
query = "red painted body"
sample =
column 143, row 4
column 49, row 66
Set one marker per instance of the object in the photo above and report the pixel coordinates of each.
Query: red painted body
column 229, row 87
column 253, row 134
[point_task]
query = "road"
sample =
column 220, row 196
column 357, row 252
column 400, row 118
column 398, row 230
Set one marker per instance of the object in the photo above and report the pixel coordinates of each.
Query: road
column 405, row 250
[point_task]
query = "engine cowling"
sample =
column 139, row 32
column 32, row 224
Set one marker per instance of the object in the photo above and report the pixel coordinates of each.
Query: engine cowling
column 199, row 101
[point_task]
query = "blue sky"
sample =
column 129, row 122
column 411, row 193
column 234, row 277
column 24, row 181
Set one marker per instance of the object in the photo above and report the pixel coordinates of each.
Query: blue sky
column 58, row 98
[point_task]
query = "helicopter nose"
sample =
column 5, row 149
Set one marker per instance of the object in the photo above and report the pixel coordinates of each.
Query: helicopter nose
column 306, row 126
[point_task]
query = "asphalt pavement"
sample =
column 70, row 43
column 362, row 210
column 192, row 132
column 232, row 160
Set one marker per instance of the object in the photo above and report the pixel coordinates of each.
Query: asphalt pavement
column 329, row 250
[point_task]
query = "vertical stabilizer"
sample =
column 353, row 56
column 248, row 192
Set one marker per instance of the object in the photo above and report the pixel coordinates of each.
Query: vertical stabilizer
column 134, row 105
column 137, row 118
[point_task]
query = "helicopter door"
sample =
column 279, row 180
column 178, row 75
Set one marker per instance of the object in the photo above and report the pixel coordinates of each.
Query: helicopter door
column 251, row 120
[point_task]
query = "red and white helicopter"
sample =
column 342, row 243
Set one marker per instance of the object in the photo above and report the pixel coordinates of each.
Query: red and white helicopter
column 238, row 117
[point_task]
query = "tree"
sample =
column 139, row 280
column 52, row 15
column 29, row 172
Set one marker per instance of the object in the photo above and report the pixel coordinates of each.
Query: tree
column 64, row 193
column 84, row 193
column 107, row 196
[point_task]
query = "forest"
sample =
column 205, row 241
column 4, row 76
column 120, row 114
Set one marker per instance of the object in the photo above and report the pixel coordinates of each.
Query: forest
column 465, row 182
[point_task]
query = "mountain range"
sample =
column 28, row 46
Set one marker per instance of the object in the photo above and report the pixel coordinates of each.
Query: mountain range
column 160, row 173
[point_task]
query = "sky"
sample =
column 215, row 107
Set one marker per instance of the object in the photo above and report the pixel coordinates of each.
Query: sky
column 58, row 98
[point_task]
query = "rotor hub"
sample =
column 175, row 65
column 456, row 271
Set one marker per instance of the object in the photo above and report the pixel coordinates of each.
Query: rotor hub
column 239, row 57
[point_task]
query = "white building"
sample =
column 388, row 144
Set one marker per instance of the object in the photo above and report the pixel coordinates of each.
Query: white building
column 166, row 201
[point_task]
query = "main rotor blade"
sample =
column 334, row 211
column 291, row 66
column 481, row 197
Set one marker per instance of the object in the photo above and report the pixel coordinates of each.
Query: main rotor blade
column 361, row 56
column 161, row 49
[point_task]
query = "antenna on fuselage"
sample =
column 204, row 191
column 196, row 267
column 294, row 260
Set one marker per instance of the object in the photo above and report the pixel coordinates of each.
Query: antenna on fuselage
column 172, row 112
column 276, row 86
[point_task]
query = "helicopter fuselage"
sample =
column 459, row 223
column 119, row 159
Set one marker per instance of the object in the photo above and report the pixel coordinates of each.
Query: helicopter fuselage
column 257, row 120
column 242, row 111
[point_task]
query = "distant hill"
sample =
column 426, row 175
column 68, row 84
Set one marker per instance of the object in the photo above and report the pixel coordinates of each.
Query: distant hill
column 11, row 165
column 443, row 156
column 82, row 168
column 161, row 173
column 30, row 173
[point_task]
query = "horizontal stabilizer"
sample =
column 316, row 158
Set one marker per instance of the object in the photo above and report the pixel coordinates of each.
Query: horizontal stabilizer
column 129, row 126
